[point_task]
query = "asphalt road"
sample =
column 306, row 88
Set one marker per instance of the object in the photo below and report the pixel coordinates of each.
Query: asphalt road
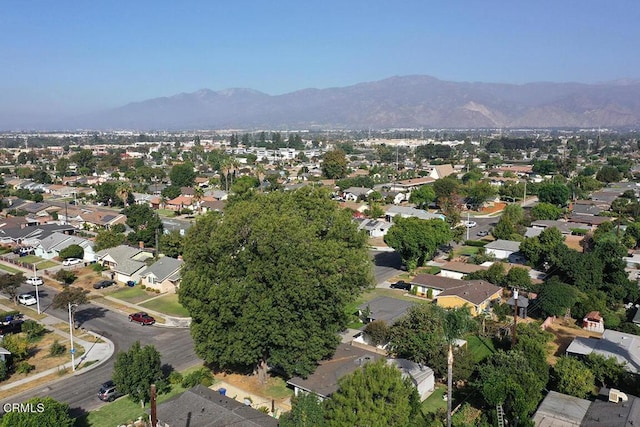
column 80, row 391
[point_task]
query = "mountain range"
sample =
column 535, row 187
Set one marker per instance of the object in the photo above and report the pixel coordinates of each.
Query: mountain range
column 396, row 102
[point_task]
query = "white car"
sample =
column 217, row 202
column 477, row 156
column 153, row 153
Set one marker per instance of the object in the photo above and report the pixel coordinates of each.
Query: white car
column 27, row 299
column 35, row 281
column 71, row 261
column 470, row 224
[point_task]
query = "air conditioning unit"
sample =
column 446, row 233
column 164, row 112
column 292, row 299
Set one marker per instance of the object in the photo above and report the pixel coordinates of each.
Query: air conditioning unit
column 616, row 396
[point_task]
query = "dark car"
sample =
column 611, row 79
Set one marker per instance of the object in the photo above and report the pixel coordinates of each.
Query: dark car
column 401, row 285
column 108, row 392
column 103, row 284
column 142, row 318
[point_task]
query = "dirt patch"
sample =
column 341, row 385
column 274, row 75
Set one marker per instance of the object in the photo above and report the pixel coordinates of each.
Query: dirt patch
column 497, row 207
column 565, row 331
column 272, row 389
column 377, row 241
column 42, row 361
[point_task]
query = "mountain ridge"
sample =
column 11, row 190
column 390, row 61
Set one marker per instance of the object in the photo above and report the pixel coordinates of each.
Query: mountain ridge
column 413, row 101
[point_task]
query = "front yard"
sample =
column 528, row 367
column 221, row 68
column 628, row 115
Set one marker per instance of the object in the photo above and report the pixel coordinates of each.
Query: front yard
column 167, row 304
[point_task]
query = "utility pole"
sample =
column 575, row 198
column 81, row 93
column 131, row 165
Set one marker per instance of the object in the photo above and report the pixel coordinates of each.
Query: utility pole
column 153, row 405
column 73, row 350
column 515, row 318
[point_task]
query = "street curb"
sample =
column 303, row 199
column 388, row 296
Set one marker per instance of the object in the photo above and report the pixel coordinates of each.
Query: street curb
column 101, row 361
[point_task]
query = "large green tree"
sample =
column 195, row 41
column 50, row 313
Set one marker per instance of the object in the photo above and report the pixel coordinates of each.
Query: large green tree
column 555, row 297
column 46, row 412
column 182, row 175
column 416, row 240
column 135, row 370
column 268, row 282
column 423, row 196
column 145, row 223
column 376, row 395
column 334, row 164
column 573, row 377
column 109, row 239
column 507, row 379
column 554, row 193
column 306, row 411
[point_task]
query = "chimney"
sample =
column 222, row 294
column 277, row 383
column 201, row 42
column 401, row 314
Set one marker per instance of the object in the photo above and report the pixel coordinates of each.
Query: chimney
column 141, row 244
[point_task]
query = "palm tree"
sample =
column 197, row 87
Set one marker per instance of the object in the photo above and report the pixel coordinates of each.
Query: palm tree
column 198, row 194
column 457, row 322
column 123, row 191
column 260, row 174
column 225, row 167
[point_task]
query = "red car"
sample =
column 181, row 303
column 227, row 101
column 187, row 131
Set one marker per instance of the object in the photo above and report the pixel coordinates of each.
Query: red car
column 142, row 318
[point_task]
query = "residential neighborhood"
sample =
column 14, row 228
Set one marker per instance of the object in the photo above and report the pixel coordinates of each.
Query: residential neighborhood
column 531, row 256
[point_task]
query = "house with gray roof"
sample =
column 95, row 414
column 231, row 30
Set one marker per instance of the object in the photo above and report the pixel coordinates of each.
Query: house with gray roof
column 51, row 246
column 503, row 249
column 202, row 407
column 561, row 410
column 33, row 235
column 421, row 376
column 354, row 193
column 409, row 212
column 126, row 262
column 164, row 275
column 324, row 381
column 624, row 347
column 373, row 227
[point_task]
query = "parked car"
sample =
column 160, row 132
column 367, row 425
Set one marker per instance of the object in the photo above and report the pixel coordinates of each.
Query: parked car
column 27, row 250
column 27, row 299
column 71, row 261
column 35, row 280
column 470, row 224
column 142, row 318
column 482, row 233
column 103, row 284
column 401, row 285
column 108, row 392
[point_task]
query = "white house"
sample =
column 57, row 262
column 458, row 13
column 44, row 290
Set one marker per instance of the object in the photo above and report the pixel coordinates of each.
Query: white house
column 421, row 376
column 50, row 246
column 502, row 249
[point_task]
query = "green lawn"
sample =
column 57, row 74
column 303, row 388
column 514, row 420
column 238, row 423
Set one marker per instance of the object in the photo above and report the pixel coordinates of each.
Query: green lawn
column 480, row 348
column 435, row 401
column 467, row 250
column 133, row 295
column 9, row 269
column 46, row 264
column 30, row 259
column 167, row 304
column 278, row 389
column 166, row 212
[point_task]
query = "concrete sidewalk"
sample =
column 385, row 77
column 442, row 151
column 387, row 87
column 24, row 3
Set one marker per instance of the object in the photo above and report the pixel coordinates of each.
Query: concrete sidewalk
column 97, row 352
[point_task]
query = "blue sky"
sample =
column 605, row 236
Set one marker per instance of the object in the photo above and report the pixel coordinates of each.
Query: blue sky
column 72, row 56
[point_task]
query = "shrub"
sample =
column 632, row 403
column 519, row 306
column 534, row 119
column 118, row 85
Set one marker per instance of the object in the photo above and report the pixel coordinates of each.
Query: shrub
column 414, row 290
column 18, row 345
column 476, row 243
column 24, row 367
column 32, row 328
column 57, row 349
column 175, row 377
column 157, row 291
column 201, row 376
column 65, row 276
column 430, row 293
column 98, row 268
column 143, row 287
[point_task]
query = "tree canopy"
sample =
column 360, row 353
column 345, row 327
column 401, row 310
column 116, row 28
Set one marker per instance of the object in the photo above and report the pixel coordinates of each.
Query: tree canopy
column 573, row 377
column 553, row 193
column 334, row 164
column 182, row 175
column 416, row 240
column 376, row 395
column 135, row 370
column 268, row 282
column 45, row 412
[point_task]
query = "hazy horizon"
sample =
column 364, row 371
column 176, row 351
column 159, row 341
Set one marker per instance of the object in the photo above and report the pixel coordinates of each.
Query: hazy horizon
column 73, row 57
